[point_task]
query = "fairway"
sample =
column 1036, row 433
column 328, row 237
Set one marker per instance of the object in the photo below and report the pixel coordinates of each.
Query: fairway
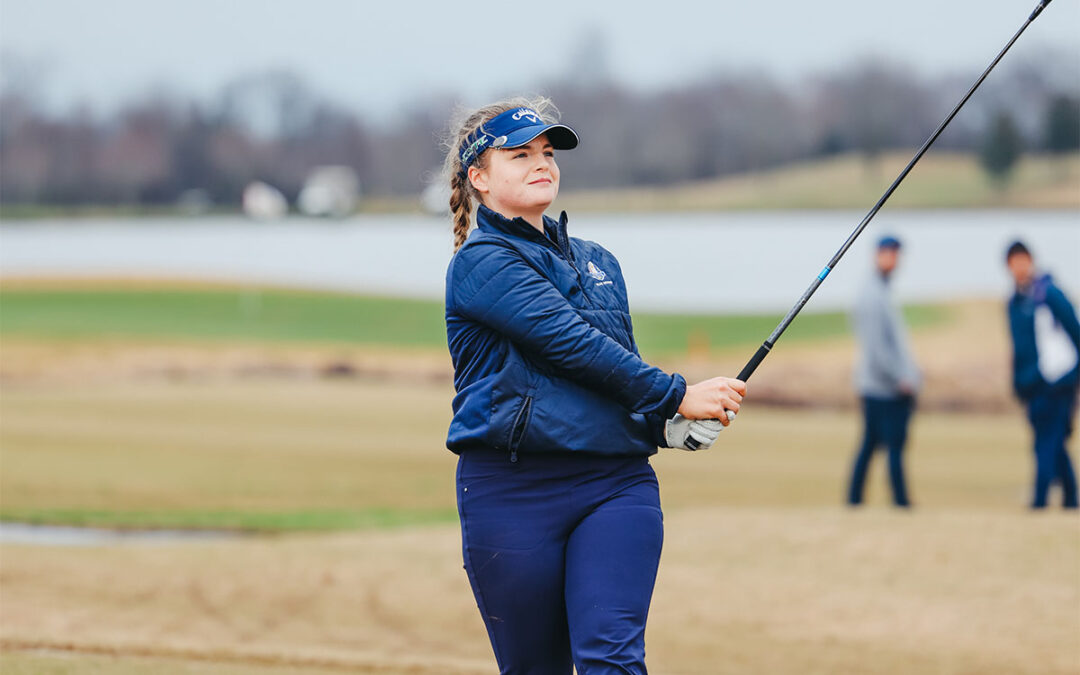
column 318, row 437
column 763, row 570
column 311, row 455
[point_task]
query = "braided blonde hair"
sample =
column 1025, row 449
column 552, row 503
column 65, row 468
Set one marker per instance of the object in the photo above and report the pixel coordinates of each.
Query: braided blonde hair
column 465, row 123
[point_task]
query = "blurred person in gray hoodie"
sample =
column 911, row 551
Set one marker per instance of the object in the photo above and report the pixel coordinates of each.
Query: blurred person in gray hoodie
column 886, row 376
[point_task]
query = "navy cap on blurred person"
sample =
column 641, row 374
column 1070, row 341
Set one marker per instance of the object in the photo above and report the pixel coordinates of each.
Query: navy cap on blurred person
column 888, row 241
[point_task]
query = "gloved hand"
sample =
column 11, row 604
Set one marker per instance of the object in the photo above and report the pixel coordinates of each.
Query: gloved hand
column 701, row 433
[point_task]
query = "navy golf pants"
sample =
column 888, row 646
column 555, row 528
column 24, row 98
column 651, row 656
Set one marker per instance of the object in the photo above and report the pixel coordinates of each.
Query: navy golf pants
column 562, row 552
column 886, row 424
column 1051, row 417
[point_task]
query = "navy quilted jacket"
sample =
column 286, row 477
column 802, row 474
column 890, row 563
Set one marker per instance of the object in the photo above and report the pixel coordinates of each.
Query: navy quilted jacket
column 543, row 349
column 1027, row 380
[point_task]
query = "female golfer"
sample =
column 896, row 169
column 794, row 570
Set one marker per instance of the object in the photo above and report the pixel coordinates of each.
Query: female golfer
column 556, row 414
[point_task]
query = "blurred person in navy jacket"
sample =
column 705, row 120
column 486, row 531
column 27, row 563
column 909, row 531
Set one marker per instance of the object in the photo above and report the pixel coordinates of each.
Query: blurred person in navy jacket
column 1046, row 341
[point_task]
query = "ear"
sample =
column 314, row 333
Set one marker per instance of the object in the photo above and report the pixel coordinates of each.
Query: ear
column 479, row 180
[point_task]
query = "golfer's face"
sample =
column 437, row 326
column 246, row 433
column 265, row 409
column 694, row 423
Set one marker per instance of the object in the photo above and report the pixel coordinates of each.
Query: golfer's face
column 521, row 179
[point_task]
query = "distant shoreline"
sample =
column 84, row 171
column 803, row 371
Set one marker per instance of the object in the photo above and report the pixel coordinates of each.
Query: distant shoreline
column 942, row 180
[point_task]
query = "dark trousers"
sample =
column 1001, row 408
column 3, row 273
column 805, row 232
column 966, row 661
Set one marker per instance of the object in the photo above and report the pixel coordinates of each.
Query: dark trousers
column 1051, row 416
column 886, row 423
column 562, row 553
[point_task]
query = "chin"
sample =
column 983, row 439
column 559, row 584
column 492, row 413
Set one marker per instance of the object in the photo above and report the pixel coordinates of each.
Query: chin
column 544, row 196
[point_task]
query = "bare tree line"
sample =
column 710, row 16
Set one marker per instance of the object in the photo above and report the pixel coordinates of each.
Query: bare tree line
column 273, row 127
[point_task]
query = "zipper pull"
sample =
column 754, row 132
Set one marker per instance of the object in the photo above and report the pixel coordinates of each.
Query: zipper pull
column 513, row 456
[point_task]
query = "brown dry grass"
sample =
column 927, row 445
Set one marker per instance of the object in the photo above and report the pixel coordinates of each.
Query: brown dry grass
column 964, row 360
column 24, row 360
column 741, row 590
column 762, row 570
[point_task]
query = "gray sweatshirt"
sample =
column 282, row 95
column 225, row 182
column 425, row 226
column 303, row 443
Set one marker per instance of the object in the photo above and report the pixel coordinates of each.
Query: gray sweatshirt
column 885, row 358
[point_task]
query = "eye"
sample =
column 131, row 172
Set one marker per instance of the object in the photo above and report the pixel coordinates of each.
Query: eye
column 520, row 155
column 549, row 153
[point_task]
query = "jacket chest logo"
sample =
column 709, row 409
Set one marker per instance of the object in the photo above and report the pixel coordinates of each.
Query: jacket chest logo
column 595, row 272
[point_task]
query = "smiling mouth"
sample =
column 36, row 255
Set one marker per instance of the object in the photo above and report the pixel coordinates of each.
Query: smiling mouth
column 542, row 180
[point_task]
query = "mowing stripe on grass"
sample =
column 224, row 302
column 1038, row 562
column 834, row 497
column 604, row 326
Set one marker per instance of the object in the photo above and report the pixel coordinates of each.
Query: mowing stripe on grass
column 277, row 315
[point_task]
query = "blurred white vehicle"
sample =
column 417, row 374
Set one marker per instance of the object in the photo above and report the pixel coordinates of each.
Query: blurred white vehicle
column 436, row 198
column 264, row 202
column 330, row 191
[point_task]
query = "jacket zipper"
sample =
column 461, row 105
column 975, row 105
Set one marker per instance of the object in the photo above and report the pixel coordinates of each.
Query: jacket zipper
column 521, row 420
column 581, row 284
column 565, row 255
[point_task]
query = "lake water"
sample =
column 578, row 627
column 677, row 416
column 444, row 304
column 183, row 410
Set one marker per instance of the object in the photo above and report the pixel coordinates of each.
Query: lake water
column 745, row 262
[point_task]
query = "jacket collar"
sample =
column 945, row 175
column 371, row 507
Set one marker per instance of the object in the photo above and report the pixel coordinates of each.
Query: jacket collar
column 1036, row 289
column 555, row 230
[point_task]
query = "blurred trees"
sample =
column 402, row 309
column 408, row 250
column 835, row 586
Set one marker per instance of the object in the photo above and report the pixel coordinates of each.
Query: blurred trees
column 272, row 127
column 872, row 106
column 1063, row 125
column 1001, row 148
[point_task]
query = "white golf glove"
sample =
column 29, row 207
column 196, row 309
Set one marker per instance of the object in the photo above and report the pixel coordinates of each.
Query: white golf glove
column 702, row 433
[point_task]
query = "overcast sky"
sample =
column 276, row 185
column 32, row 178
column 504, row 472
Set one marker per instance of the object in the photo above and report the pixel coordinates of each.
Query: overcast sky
column 380, row 56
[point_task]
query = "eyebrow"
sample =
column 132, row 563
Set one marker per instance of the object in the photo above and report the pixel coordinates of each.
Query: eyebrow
column 522, row 147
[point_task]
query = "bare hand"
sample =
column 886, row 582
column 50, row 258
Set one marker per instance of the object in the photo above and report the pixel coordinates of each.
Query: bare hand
column 712, row 399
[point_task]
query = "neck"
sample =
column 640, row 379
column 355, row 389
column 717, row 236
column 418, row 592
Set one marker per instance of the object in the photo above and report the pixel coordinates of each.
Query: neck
column 536, row 220
column 534, row 216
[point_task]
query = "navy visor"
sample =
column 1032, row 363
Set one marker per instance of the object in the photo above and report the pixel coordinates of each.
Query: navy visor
column 512, row 129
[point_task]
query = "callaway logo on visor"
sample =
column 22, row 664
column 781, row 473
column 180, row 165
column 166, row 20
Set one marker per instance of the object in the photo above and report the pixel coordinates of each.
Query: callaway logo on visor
column 530, row 115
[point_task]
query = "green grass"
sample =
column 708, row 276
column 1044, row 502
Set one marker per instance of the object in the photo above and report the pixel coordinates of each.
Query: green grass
column 275, row 315
column 236, row 314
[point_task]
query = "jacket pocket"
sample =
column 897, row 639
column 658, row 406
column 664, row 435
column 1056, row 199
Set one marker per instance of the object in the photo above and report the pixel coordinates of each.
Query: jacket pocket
column 520, row 425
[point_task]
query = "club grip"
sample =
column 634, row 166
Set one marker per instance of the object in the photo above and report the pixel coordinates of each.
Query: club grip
column 744, row 375
column 754, row 361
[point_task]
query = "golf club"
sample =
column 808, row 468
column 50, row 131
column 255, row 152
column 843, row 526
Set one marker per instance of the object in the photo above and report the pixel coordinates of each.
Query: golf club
column 770, row 342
